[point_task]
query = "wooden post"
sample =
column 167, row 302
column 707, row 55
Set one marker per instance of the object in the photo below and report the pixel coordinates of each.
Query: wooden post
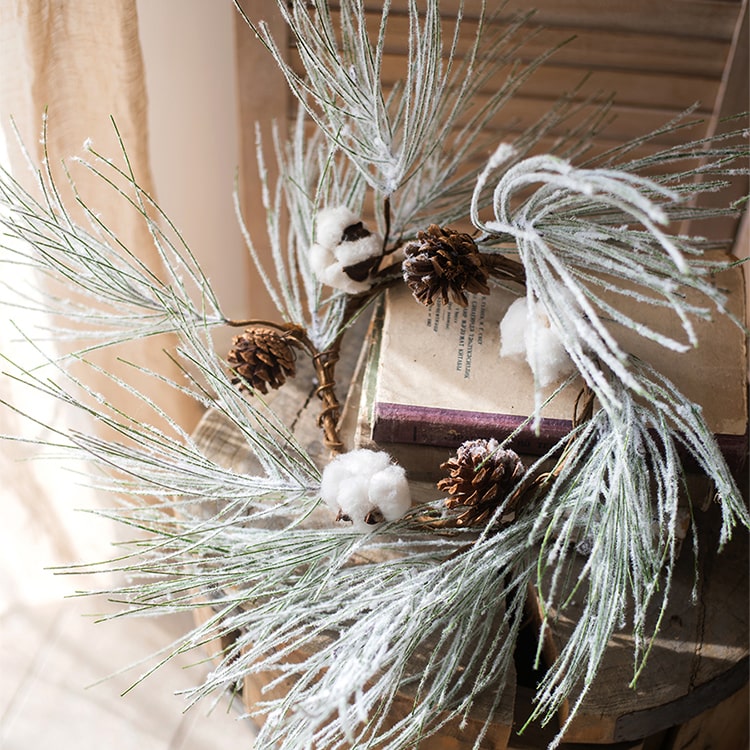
column 263, row 97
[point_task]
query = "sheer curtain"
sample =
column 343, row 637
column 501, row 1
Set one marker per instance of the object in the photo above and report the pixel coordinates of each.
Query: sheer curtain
column 165, row 72
column 80, row 63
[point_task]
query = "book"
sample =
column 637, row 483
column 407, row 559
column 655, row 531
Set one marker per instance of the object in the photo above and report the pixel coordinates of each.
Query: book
column 422, row 461
column 433, row 378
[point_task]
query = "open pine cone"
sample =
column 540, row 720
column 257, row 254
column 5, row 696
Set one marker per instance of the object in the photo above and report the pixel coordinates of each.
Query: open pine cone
column 480, row 476
column 445, row 263
column 263, row 357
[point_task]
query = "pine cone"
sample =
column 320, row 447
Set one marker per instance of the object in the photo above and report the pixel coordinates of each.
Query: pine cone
column 262, row 357
column 480, row 476
column 446, row 263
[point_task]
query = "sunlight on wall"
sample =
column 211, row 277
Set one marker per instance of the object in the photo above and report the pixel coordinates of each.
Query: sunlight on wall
column 191, row 79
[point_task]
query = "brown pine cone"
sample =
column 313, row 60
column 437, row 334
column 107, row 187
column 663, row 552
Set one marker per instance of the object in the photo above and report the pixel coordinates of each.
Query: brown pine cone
column 446, row 263
column 480, row 476
column 262, row 357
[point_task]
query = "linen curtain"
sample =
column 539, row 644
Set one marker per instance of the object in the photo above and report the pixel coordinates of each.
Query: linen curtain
column 81, row 63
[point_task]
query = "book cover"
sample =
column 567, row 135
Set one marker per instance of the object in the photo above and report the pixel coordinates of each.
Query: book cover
column 436, row 378
column 422, row 461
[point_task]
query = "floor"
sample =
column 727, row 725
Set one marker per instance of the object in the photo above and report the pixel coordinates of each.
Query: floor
column 51, row 656
column 56, row 660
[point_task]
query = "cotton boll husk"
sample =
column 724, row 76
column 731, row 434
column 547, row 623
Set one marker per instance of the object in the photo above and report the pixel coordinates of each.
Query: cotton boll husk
column 331, row 223
column 362, row 481
column 513, row 330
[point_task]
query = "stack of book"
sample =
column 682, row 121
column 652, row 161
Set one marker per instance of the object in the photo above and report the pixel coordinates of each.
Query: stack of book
column 430, row 378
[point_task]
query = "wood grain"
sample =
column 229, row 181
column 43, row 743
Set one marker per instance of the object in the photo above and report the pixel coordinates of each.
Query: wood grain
column 698, row 658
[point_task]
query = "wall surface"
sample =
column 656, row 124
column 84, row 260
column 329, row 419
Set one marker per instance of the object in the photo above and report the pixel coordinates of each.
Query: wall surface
column 189, row 59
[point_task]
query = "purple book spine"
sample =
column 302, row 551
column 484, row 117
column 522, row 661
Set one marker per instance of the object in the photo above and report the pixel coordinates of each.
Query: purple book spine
column 401, row 423
column 418, row 425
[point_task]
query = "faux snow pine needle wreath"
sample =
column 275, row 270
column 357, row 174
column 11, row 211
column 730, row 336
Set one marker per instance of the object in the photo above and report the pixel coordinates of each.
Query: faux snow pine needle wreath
column 347, row 608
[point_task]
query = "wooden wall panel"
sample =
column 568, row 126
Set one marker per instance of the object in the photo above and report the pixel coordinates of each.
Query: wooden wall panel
column 656, row 58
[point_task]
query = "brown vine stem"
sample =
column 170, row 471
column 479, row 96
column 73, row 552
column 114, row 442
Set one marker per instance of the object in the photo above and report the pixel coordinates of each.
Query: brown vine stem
column 387, row 220
column 501, row 267
column 283, row 327
column 325, row 369
column 328, row 421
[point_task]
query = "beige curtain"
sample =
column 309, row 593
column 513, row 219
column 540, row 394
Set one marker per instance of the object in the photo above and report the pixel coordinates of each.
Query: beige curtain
column 81, row 62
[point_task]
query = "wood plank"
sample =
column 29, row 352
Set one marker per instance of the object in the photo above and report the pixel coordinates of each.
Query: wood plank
column 608, row 49
column 663, row 91
column 630, row 50
column 732, row 98
column 601, row 145
column 690, row 18
column 624, row 123
column 724, row 727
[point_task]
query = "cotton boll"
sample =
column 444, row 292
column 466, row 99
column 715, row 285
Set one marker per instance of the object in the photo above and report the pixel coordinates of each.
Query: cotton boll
column 513, row 330
column 345, row 252
column 535, row 339
column 321, row 259
column 389, row 490
column 365, row 487
column 330, row 272
column 547, row 357
column 355, row 251
column 331, row 223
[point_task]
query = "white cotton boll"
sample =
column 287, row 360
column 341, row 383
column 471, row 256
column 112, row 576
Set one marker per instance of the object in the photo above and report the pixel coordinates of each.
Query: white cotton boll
column 321, row 258
column 513, row 330
column 538, row 342
column 331, row 223
column 355, row 251
column 365, row 487
column 330, row 271
column 547, row 357
column 389, row 490
column 331, row 256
